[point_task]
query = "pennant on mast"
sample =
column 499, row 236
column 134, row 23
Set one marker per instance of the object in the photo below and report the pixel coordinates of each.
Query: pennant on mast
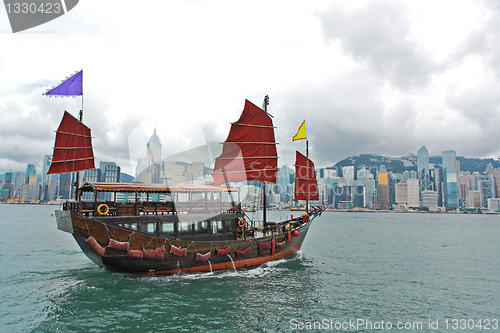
column 72, row 86
column 306, row 186
column 72, row 147
column 301, row 132
column 249, row 152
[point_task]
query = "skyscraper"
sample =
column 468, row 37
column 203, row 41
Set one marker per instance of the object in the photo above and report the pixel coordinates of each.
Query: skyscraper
column 47, row 160
column 450, row 180
column 154, row 157
column 413, row 193
column 30, row 171
column 383, row 190
column 423, row 169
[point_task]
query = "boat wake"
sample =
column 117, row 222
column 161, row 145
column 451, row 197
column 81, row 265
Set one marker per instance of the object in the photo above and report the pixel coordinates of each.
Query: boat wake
column 269, row 268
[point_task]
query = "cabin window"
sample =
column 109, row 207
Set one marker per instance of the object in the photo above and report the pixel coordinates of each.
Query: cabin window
column 228, row 226
column 202, row 227
column 133, row 226
column 151, row 227
column 184, row 227
column 217, row 227
column 167, row 227
column 198, row 196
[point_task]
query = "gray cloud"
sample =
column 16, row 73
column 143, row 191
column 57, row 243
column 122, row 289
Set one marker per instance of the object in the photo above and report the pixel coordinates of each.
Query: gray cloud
column 378, row 34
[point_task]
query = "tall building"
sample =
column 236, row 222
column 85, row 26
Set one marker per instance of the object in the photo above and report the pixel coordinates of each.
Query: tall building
column 111, row 173
column 30, row 171
column 348, row 172
column 154, row 157
column 487, row 189
column 9, row 185
column 383, row 190
column 18, row 186
column 363, row 174
column 429, row 199
column 102, row 167
column 473, row 199
column 413, row 192
column 283, row 184
column 47, row 160
column 32, row 187
column 401, row 193
column 423, row 170
column 450, row 180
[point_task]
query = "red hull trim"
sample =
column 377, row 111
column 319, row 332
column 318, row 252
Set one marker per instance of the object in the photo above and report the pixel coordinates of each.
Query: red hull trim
column 245, row 263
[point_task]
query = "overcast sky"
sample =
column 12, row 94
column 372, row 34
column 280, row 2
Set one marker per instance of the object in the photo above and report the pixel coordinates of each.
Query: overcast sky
column 378, row 76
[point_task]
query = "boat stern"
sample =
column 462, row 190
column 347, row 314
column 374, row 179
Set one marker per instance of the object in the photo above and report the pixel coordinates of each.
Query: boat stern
column 64, row 222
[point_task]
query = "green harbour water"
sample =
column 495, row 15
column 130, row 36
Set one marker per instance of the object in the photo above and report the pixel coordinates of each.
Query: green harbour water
column 355, row 271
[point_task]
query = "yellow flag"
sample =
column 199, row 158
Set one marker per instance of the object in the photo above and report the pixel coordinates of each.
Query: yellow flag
column 301, row 133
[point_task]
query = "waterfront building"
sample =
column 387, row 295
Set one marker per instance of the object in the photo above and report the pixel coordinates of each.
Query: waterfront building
column 349, row 196
column 413, row 192
column 429, row 199
column 384, row 190
column 401, row 193
column 486, row 189
column 33, row 188
column 473, row 199
column 450, row 189
column 19, row 181
column 496, row 180
column 9, row 186
column 494, row 204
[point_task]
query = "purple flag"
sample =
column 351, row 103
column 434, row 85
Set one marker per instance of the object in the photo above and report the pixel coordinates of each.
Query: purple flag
column 69, row 87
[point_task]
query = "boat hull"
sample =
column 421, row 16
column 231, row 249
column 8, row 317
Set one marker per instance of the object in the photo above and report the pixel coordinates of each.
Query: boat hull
column 82, row 228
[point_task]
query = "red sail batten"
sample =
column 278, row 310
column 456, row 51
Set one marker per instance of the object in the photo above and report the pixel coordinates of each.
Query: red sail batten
column 249, row 152
column 306, row 186
column 72, row 147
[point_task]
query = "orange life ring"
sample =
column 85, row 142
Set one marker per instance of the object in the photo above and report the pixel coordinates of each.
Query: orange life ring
column 241, row 223
column 106, row 209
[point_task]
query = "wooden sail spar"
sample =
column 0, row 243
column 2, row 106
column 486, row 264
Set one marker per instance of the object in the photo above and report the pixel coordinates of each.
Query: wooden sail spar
column 73, row 147
column 249, row 152
column 306, row 186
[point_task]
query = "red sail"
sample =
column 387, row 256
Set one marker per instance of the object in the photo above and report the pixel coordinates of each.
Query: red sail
column 306, row 186
column 73, row 147
column 249, row 152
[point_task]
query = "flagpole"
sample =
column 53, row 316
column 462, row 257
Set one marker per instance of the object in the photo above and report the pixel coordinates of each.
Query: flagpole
column 307, row 156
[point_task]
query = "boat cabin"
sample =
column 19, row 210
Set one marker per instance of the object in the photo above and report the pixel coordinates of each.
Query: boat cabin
column 187, row 212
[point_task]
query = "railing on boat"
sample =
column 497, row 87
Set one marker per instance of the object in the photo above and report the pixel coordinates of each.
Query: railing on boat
column 90, row 208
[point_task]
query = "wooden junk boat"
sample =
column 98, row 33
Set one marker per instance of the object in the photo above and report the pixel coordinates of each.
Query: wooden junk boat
column 183, row 228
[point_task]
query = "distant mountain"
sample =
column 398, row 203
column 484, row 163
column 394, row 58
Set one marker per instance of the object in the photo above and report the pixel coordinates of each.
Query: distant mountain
column 371, row 161
column 397, row 164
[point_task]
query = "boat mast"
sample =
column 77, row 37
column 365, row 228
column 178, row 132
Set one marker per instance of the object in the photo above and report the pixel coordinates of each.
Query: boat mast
column 78, row 173
column 307, row 156
column 264, row 197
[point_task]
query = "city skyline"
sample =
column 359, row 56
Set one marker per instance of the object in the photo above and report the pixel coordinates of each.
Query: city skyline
column 415, row 73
